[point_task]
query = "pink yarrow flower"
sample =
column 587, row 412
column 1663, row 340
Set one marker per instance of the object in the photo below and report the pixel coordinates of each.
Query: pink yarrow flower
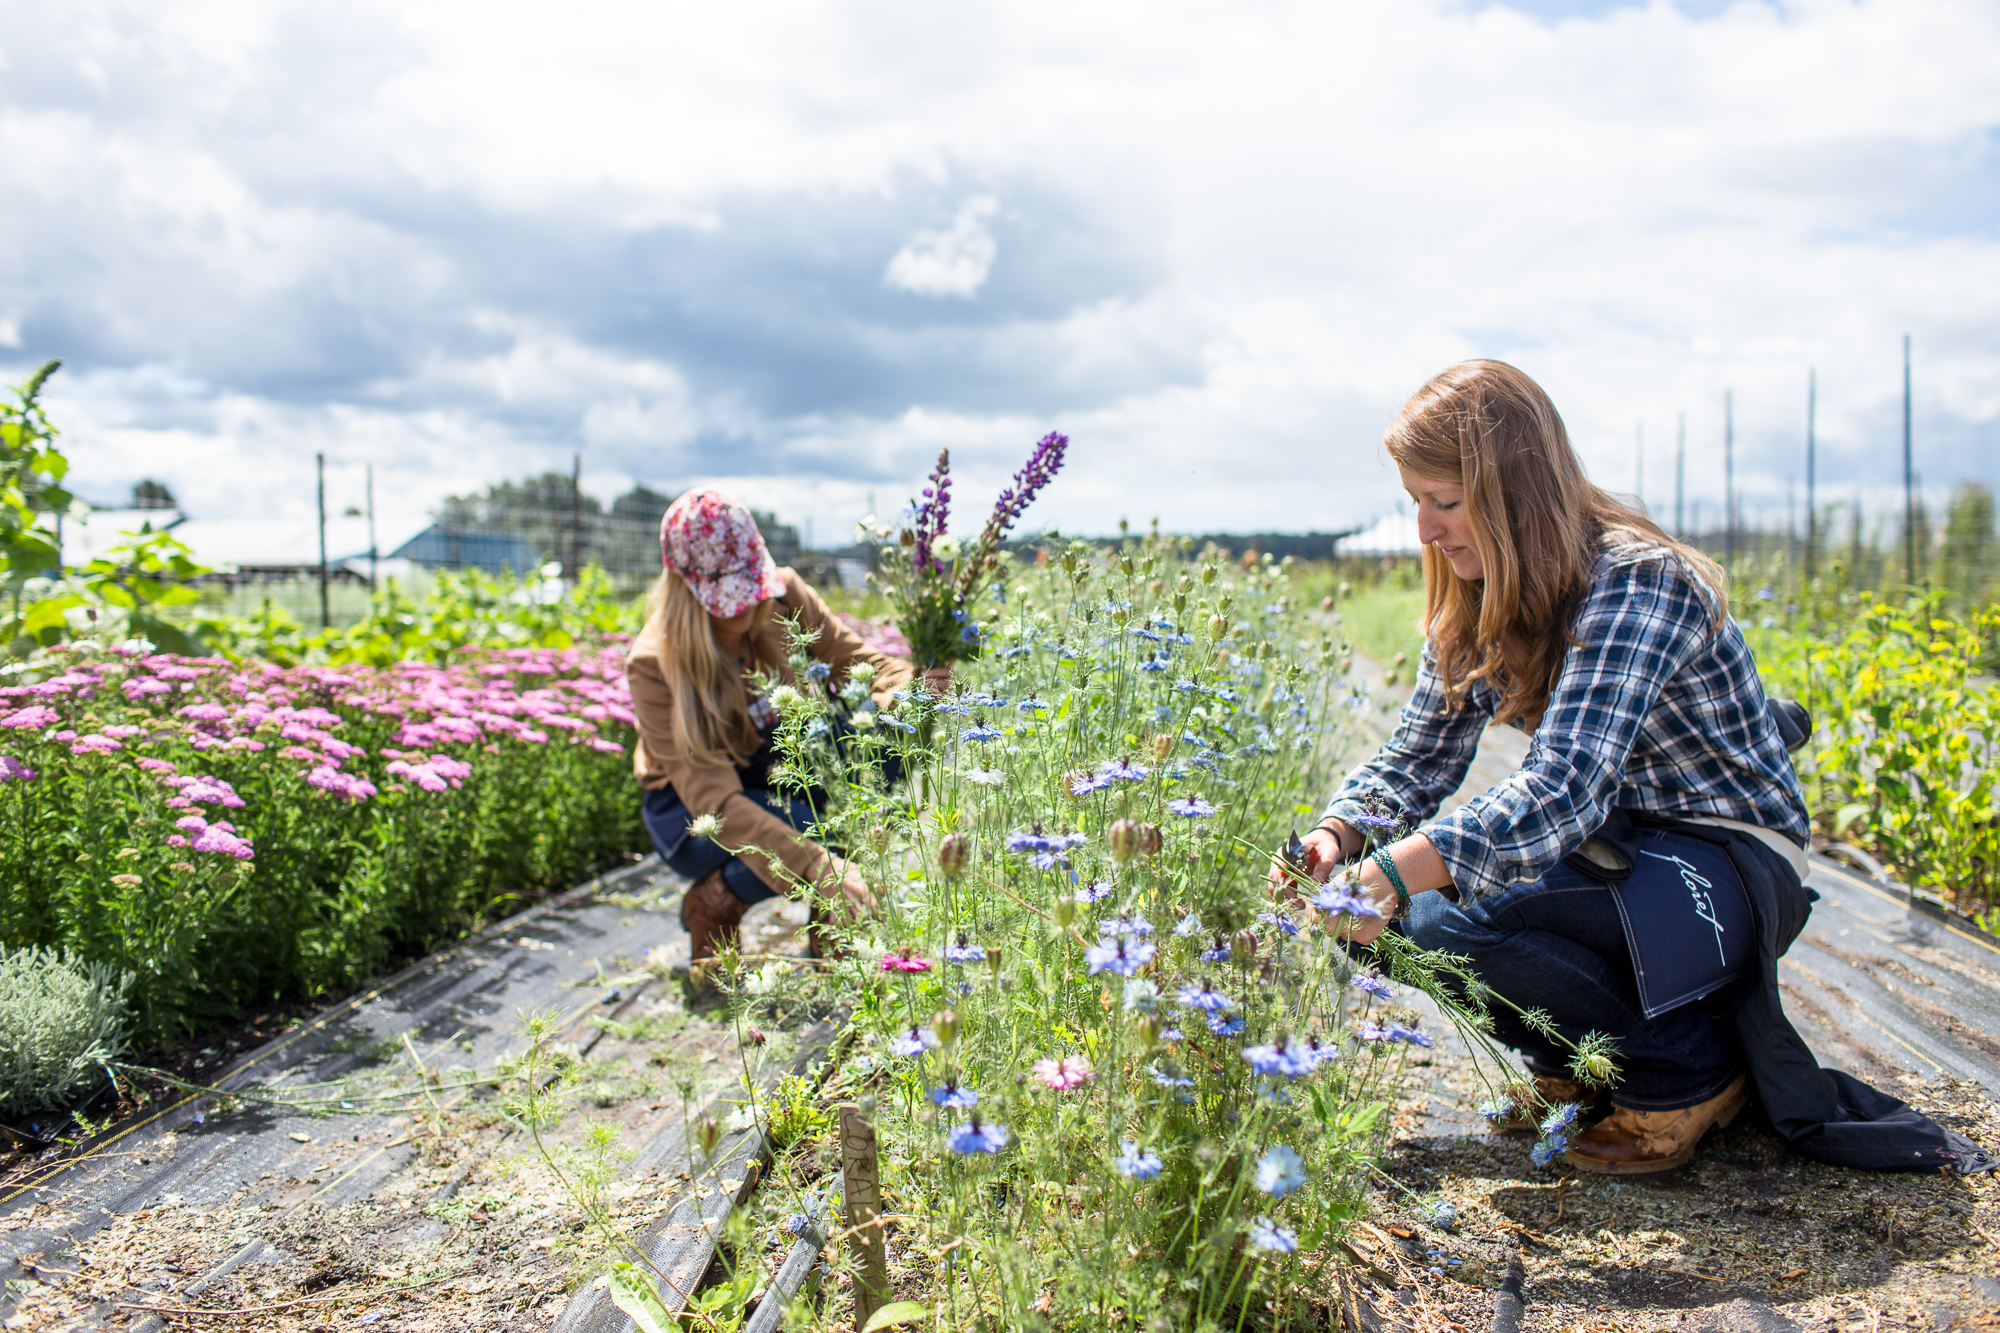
column 1069, row 1071
column 34, row 716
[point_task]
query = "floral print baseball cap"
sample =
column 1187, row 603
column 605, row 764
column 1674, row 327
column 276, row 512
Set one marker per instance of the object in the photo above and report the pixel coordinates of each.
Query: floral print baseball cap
column 712, row 542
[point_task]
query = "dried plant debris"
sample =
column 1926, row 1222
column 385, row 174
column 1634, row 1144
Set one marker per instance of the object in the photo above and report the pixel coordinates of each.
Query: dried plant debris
column 1746, row 1236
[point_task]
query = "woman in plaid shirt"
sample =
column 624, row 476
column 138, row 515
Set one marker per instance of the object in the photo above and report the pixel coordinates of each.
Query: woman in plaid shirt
column 1557, row 607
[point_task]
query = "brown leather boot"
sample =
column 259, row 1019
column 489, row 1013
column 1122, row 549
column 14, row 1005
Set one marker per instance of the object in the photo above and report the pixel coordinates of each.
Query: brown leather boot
column 710, row 913
column 1634, row 1143
column 1532, row 1103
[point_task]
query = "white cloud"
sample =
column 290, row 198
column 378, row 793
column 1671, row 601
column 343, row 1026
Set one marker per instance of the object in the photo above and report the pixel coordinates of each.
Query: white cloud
column 952, row 261
column 465, row 240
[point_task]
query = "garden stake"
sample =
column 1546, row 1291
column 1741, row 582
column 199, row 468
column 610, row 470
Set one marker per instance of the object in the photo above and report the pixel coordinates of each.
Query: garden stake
column 861, row 1173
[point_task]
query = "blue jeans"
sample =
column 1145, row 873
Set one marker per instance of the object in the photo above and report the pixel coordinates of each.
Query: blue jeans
column 667, row 820
column 1558, row 944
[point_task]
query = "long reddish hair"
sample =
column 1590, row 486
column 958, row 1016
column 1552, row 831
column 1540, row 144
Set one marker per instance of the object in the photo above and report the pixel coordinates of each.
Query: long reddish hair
column 1538, row 523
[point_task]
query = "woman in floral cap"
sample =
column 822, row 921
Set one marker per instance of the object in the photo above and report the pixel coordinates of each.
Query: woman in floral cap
column 704, row 735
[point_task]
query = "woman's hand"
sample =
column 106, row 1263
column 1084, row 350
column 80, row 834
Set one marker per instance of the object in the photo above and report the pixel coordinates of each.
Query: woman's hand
column 851, row 891
column 1323, row 853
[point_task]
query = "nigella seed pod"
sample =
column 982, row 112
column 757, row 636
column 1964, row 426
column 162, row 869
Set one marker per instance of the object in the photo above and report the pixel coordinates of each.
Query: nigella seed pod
column 1218, row 626
column 1150, row 841
column 1065, row 910
column 1149, row 1032
column 954, row 853
column 878, row 839
column 1326, row 604
column 1246, row 943
column 707, row 1133
column 1163, row 745
column 1207, row 575
column 945, row 1023
column 1123, row 837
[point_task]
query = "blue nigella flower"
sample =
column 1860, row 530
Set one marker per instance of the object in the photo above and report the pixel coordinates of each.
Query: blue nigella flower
column 1143, row 633
column 1118, row 956
column 1216, row 953
column 1543, row 1153
column 1280, row 1171
column 1120, row 771
column 1279, row 1058
column 1152, row 664
column 954, row 1098
column 1342, row 900
column 1280, row 920
column 1268, row 1235
column 1135, row 1163
column 1190, row 806
column 798, row 1223
column 1444, row 1213
column 1027, row 706
column 1095, row 892
column 1169, row 1080
column 1496, row 1108
column 1085, row 783
column 1370, row 984
column 1560, row 1119
column 891, row 720
column 962, row 952
column 1204, row 998
column 974, row 1137
column 1189, row 925
column 818, row 671
column 1141, row 996
column 1226, row 1025
column 1184, row 685
column 915, row 1042
column 1170, row 1034
column 1125, row 925
column 979, row 733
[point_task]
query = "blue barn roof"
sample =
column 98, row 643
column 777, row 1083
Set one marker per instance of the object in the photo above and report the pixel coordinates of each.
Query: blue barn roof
column 465, row 548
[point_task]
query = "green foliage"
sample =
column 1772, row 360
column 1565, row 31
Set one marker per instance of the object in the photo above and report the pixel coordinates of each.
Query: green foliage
column 463, row 610
column 62, row 1020
column 31, row 496
column 1905, row 755
column 794, row 1114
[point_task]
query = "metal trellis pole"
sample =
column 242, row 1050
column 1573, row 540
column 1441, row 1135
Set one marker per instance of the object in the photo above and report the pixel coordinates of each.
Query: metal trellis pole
column 325, row 607
column 1812, row 519
column 1909, row 482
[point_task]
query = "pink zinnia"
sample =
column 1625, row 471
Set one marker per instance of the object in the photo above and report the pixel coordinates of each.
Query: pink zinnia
column 903, row 960
column 1071, row 1071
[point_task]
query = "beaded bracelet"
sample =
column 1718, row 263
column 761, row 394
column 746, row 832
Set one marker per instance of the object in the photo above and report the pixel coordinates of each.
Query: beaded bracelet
column 1388, row 864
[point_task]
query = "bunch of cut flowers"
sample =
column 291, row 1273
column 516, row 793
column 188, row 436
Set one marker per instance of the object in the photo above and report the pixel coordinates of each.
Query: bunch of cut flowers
column 931, row 578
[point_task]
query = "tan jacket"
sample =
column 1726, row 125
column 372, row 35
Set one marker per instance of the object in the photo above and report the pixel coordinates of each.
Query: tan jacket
column 717, row 789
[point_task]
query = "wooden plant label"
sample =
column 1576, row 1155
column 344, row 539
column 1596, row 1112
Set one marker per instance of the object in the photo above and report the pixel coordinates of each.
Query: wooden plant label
column 862, row 1170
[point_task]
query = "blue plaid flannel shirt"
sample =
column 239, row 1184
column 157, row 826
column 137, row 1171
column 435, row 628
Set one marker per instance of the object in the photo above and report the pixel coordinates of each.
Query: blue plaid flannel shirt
column 1653, row 711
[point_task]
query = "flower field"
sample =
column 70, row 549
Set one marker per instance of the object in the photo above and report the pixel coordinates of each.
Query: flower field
column 1111, row 1077
column 226, row 832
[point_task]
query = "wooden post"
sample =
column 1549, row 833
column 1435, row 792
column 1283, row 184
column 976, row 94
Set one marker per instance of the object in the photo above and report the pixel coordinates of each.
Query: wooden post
column 862, row 1191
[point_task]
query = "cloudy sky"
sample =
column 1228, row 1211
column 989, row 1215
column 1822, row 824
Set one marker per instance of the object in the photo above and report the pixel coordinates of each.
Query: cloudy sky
column 795, row 248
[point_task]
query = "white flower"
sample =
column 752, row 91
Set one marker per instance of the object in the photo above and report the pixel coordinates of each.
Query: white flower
column 706, row 826
column 985, row 777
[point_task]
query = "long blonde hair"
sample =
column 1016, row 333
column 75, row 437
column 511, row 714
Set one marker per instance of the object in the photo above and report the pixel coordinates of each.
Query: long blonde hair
column 711, row 708
column 1537, row 521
